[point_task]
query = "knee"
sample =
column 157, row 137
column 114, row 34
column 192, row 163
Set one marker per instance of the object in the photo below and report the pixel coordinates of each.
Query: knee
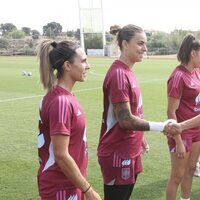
column 177, row 178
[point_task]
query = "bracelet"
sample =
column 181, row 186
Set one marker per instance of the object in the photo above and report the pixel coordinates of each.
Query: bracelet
column 87, row 189
column 156, row 126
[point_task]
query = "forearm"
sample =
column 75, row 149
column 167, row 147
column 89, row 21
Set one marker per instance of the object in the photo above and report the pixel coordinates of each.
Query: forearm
column 135, row 124
column 128, row 121
column 191, row 123
column 72, row 172
column 177, row 139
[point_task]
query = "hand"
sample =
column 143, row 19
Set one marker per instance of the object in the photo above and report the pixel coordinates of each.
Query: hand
column 172, row 129
column 175, row 128
column 91, row 195
column 180, row 150
column 145, row 146
column 145, row 149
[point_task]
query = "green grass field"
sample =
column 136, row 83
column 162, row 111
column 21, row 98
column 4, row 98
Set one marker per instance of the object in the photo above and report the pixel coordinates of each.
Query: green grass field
column 19, row 101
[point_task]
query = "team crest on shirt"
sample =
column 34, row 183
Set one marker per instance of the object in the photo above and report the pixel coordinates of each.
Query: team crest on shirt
column 125, row 173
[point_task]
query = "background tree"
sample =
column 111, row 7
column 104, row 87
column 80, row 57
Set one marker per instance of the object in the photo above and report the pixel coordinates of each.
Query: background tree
column 109, row 38
column 4, row 43
column 7, row 27
column 77, row 34
column 157, row 42
column 26, row 30
column 176, row 37
column 16, row 34
column 70, row 33
column 198, row 34
column 35, row 34
column 52, row 29
column 93, row 41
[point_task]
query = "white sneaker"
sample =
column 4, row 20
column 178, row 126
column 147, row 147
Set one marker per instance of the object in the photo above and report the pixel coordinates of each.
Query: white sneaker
column 197, row 171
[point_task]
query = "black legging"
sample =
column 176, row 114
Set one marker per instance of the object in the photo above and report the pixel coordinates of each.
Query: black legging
column 118, row 192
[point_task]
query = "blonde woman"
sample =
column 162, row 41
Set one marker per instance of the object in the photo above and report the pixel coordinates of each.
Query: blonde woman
column 62, row 144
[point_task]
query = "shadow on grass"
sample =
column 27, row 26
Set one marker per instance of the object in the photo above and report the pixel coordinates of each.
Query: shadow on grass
column 156, row 191
column 196, row 193
column 152, row 191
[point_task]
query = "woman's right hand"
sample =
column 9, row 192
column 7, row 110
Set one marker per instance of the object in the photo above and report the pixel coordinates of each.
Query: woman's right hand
column 91, row 195
column 180, row 150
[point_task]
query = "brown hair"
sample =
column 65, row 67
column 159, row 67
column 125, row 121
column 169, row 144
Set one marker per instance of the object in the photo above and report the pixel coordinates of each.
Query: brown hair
column 188, row 44
column 52, row 56
column 125, row 33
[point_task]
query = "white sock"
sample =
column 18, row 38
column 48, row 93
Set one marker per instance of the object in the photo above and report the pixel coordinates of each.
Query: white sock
column 184, row 199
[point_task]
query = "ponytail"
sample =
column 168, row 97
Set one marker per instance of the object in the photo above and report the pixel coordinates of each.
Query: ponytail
column 189, row 43
column 52, row 56
column 47, row 76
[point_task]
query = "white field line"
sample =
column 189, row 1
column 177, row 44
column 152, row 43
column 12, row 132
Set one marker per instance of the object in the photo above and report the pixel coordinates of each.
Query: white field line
column 96, row 74
column 148, row 81
column 35, row 96
column 153, row 80
column 88, row 89
column 19, row 98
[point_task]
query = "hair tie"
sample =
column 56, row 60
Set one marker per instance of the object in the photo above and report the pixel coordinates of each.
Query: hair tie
column 54, row 44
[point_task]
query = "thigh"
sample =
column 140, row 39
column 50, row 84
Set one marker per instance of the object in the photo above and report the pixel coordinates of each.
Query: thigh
column 186, row 139
column 178, row 165
column 119, row 171
column 118, row 192
column 194, row 156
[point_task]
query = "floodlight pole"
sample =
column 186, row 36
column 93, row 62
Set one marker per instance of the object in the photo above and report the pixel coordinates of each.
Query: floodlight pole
column 81, row 27
column 103, row 31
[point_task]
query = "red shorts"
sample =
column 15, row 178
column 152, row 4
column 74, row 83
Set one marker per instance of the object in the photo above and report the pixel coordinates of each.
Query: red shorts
column 74, row 194
column 187, row 138
column 119, row 171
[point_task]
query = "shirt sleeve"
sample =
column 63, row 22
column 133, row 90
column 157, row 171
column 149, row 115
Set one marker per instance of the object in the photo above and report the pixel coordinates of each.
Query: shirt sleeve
column 119, row 87
column 175, row 85
column 60, row 116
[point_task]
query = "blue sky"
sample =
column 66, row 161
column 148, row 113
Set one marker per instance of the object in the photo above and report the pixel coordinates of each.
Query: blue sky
column 163, row 15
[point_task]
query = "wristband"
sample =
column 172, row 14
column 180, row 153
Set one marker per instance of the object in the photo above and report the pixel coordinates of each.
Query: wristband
column 87, row 189
column 156, row 126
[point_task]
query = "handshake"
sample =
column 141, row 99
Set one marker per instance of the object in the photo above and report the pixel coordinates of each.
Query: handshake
column 172, row 128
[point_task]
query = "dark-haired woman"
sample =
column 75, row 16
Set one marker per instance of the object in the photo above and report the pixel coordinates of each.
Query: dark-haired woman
column 62, row 132
column 121, row 138
column 183, row 104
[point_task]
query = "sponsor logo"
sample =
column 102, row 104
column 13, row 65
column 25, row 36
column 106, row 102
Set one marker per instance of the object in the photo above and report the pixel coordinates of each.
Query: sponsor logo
column 126, row 162
column 73, row 197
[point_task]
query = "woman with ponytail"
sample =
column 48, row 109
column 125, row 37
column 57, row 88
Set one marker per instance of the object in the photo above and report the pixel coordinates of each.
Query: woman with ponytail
column 62, row 141
column 183, row 104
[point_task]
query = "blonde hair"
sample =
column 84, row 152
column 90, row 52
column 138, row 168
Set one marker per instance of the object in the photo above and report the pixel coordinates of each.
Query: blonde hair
column 52, row 56
column 47, row 76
